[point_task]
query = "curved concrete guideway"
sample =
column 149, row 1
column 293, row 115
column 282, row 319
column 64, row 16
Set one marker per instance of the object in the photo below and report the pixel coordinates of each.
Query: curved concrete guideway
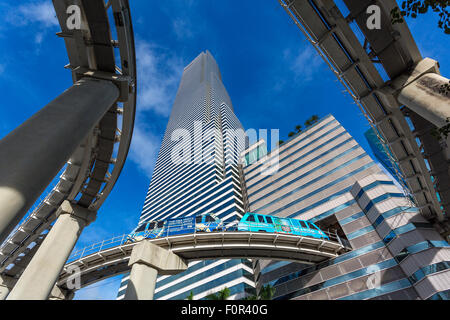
column 95, row 165
column 198, row 246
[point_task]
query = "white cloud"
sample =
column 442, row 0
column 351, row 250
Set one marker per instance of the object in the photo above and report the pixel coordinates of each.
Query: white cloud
column 38, row 17
column 144, row 148
column 33, row 12
column 305, row 63
column 158, row 76
column 182, row 28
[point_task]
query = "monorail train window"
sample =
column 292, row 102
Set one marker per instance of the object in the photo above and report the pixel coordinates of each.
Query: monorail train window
column 302, row 224
column 261, row 219
column 151, row 225
column 312, row 226
column 251, row 218
column 160, row 224
column 198, row 219
column 209, row 219
column 141, row 228
column 269, row 219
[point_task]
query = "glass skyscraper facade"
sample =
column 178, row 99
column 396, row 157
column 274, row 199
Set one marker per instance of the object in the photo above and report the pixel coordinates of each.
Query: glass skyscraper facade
column 196, row 172
column 325, row 177
column 381, row 154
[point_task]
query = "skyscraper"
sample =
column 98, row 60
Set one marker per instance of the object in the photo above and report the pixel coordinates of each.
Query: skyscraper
column 325, row 177
column 196, row 172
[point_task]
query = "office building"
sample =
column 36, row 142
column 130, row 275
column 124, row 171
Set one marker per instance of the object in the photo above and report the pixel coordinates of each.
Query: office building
column 324, row 176
column 196, row 172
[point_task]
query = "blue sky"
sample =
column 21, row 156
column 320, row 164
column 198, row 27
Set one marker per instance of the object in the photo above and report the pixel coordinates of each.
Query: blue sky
column 273, row 75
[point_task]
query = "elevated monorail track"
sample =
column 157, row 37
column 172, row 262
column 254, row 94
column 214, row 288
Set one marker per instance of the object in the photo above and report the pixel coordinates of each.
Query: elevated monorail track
column 370, row 69
column 109, row 258
column 95, row 166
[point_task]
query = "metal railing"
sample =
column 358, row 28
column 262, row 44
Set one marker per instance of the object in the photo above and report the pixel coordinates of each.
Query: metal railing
column 225, row 226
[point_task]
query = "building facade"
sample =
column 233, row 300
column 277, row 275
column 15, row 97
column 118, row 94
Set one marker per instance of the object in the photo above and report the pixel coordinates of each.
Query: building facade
column 382, row 154
column 196, row 172
column 324, row 176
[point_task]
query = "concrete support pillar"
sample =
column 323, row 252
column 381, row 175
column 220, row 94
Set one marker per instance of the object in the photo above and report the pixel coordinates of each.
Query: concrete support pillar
column 424, row 97
column 421, row 90
column 6, row 284
column 147, row 261
column 58, row 293
column 40, row 276
column 33, row 153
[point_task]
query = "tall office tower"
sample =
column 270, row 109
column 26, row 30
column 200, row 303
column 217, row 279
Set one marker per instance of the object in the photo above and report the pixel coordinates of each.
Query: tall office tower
column 196, row 173
column 325, row 177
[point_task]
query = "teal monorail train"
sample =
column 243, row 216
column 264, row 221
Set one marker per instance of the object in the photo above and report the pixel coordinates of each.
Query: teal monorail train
column 265, row 223
column 210, row 223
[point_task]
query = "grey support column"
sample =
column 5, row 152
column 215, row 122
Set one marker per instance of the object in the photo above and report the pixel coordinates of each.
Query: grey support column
column 58, row 293
column 33, row 153
column 147, row 261
column 425, row 97
column 423, row 91
column 6, row 284
column 40, row 276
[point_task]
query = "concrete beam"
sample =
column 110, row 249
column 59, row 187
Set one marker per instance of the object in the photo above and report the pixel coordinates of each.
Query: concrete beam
column 419, row 90
column 40, row 276
column 423, row 96
column 147, row 261
column 33, row 153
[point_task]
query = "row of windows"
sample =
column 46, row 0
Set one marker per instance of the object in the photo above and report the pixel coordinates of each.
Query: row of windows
column 173, row 170
column 341, row 258
column 309, row 183
column 198, row 277
column 405, row 228
column 444, row 295
column 406, row 252
column 343, row 178
column 197, row 181
column 306, row 185
column 371, row 186
column 289, row 162
column 319, row 157
column 211, row 284
column 201, row 182
column 427, row 270
column 305, row 138
column 162, row 281
column 199, row 186
column 381, row 290
column 186, row 175
column 381, row 198
column 202, row 191
column 340, row 279
column 206, row 205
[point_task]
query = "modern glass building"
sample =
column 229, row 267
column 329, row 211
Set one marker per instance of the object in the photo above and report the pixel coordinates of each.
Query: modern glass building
column 324, row 176
column 381, row 154
column 196, row 172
